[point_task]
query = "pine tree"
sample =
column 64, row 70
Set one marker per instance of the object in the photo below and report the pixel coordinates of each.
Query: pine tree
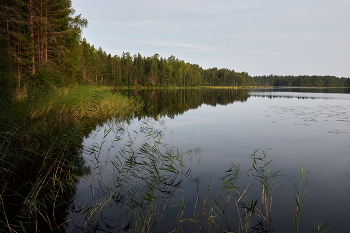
column 39, row 37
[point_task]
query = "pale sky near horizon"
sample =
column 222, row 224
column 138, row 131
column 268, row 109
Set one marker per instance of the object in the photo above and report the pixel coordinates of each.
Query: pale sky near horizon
column 261, row 37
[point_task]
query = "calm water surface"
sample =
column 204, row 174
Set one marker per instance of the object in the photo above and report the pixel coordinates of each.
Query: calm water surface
column 309, row 127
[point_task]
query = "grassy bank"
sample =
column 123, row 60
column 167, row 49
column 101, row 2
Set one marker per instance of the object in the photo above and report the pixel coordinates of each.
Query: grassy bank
column 41, row 134
column 74, row 104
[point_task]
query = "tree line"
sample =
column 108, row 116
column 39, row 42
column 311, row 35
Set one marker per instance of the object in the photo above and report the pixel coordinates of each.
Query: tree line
column 302, row 81
column 41, row 44
column 137, row 70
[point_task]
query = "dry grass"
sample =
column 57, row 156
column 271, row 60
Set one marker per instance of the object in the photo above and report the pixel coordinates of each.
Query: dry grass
column 20, row 94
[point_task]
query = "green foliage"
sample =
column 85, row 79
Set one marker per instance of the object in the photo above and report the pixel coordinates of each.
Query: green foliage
column 79, row 104
column 126, row 70
column 267, row 178
column 302, row 81
column 39, row 41
column 319, row 227
column 300, row 185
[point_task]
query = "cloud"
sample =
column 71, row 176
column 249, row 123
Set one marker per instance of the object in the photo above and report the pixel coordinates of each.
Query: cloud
column 144, row 24
column 192, row 47
column 135, row 24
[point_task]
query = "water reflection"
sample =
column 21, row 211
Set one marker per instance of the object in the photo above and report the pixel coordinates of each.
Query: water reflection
column 174, row 102
column 301, row 127
column 306, row 126
column 39, row 176
column 302, row 93
column 136, row 177
column 305, row 90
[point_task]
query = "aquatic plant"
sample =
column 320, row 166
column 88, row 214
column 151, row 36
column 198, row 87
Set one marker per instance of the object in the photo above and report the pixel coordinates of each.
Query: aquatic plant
column 300, row 185
column 146, row 174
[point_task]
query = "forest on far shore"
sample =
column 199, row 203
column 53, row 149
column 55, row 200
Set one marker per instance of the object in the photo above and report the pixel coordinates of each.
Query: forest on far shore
column 41, row 45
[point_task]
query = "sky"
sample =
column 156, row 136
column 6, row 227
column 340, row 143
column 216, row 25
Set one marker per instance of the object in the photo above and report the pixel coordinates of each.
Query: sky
column 261, row 37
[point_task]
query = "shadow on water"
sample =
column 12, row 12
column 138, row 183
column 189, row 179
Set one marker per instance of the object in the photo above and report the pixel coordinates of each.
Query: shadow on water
column 40, row 167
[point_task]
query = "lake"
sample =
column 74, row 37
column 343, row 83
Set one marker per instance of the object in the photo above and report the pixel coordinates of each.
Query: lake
column 293, row 127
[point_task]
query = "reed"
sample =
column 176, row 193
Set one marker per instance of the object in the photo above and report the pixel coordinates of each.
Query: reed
column 146, row 174
column 40, row 162
column 300, row 185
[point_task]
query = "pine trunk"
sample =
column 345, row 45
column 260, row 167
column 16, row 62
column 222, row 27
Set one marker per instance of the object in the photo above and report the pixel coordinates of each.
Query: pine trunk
column 32, row 39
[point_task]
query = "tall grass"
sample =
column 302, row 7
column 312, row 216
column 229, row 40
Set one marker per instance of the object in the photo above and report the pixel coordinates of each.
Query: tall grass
column 79, row 103
column 40, row 161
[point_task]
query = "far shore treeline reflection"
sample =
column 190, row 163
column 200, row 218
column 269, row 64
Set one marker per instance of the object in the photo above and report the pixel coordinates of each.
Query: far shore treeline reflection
column 288, row 92
column 173, row 102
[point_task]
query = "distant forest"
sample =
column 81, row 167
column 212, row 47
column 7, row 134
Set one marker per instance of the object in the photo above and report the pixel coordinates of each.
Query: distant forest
column 41, row 45
column 302, row 81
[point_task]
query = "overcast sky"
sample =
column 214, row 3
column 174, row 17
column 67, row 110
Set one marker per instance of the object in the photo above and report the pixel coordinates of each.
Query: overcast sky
column 260, row 37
